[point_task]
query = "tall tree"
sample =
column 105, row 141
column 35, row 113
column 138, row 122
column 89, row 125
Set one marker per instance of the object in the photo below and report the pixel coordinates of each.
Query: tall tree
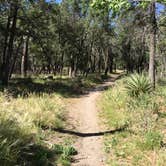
column 9, row 41
column 152, row 45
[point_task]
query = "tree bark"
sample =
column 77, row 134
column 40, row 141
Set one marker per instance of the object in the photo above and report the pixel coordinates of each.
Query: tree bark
column 5, row 48
column 15, row 58
column 152, row 45
column 9, row 50
column 24, row 60
column 111, row 58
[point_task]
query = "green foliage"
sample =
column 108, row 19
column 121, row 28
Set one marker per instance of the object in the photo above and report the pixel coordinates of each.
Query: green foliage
column 64, row 86
column 8, row 151
column 65, row 152
column 145, row 116
column 114, row 99
column 21, row 138
column 114, row 4
column 138, row 84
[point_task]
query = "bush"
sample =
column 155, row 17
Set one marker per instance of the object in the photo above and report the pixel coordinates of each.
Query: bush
column 138, row 84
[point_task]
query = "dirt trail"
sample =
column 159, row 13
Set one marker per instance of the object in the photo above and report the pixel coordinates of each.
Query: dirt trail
column 84, row 117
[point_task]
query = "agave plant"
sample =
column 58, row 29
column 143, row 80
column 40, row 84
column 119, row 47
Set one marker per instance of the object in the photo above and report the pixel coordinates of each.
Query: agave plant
column 138, row 84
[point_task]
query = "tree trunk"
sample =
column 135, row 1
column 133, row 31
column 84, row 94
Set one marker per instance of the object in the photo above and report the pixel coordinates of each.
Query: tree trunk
column 110, row 54
column 5, row 49
column 106, row 71
column 24, row 60
column 15, row 58
column 152, row 45
column 62, row 64
column 72, row 69
column 9, row 50
column 106, row 63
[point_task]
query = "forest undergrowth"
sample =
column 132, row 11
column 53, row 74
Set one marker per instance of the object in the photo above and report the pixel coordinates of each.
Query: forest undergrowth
column 27, row 106
column 143, row 141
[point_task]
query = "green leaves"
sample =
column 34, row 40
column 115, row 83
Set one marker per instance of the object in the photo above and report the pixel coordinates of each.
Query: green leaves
column 138, row 84
column 143, row 4
column 114, row 5
column 117, row 5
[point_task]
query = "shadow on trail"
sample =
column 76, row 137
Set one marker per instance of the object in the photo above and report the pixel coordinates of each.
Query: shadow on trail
column 79, row 134
column 24, row 87
column 68, row 88
column 104, row 86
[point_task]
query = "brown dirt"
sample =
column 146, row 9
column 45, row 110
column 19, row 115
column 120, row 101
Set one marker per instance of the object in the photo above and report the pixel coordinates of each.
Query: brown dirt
column 83, row 115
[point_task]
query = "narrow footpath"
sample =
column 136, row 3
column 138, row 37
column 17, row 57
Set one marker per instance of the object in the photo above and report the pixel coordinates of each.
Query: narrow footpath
column 83, row 114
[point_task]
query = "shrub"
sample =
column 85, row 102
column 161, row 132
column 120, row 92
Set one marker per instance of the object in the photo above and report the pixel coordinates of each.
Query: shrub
column 137, row 84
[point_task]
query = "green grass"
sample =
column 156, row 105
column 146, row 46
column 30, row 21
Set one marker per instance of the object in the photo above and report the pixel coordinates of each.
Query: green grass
column 22, row 140
column 64, row 86
column 142, row 143
column 30, row 105
column 113, row 104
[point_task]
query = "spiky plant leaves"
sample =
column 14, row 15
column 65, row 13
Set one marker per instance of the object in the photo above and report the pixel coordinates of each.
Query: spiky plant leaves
column 138, row 84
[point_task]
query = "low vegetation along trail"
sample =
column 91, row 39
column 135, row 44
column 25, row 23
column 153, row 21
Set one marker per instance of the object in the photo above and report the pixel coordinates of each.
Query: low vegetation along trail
column 84, row 118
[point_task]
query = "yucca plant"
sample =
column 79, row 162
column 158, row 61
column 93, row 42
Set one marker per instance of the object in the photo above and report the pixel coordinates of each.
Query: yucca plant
column 138, row 84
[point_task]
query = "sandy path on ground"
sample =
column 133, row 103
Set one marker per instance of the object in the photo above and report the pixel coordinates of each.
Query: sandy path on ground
column 83, row 114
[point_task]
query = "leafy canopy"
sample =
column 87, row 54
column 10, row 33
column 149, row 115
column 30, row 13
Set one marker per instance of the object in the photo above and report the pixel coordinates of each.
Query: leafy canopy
column 117, row 5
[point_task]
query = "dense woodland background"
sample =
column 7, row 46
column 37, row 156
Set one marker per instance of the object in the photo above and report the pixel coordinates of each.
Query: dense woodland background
column 76, row 38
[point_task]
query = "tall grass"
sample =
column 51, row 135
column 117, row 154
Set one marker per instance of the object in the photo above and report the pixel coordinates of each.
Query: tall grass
column 30, row 105
column 143, row 141
column 21, row 140
column 113, row 105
